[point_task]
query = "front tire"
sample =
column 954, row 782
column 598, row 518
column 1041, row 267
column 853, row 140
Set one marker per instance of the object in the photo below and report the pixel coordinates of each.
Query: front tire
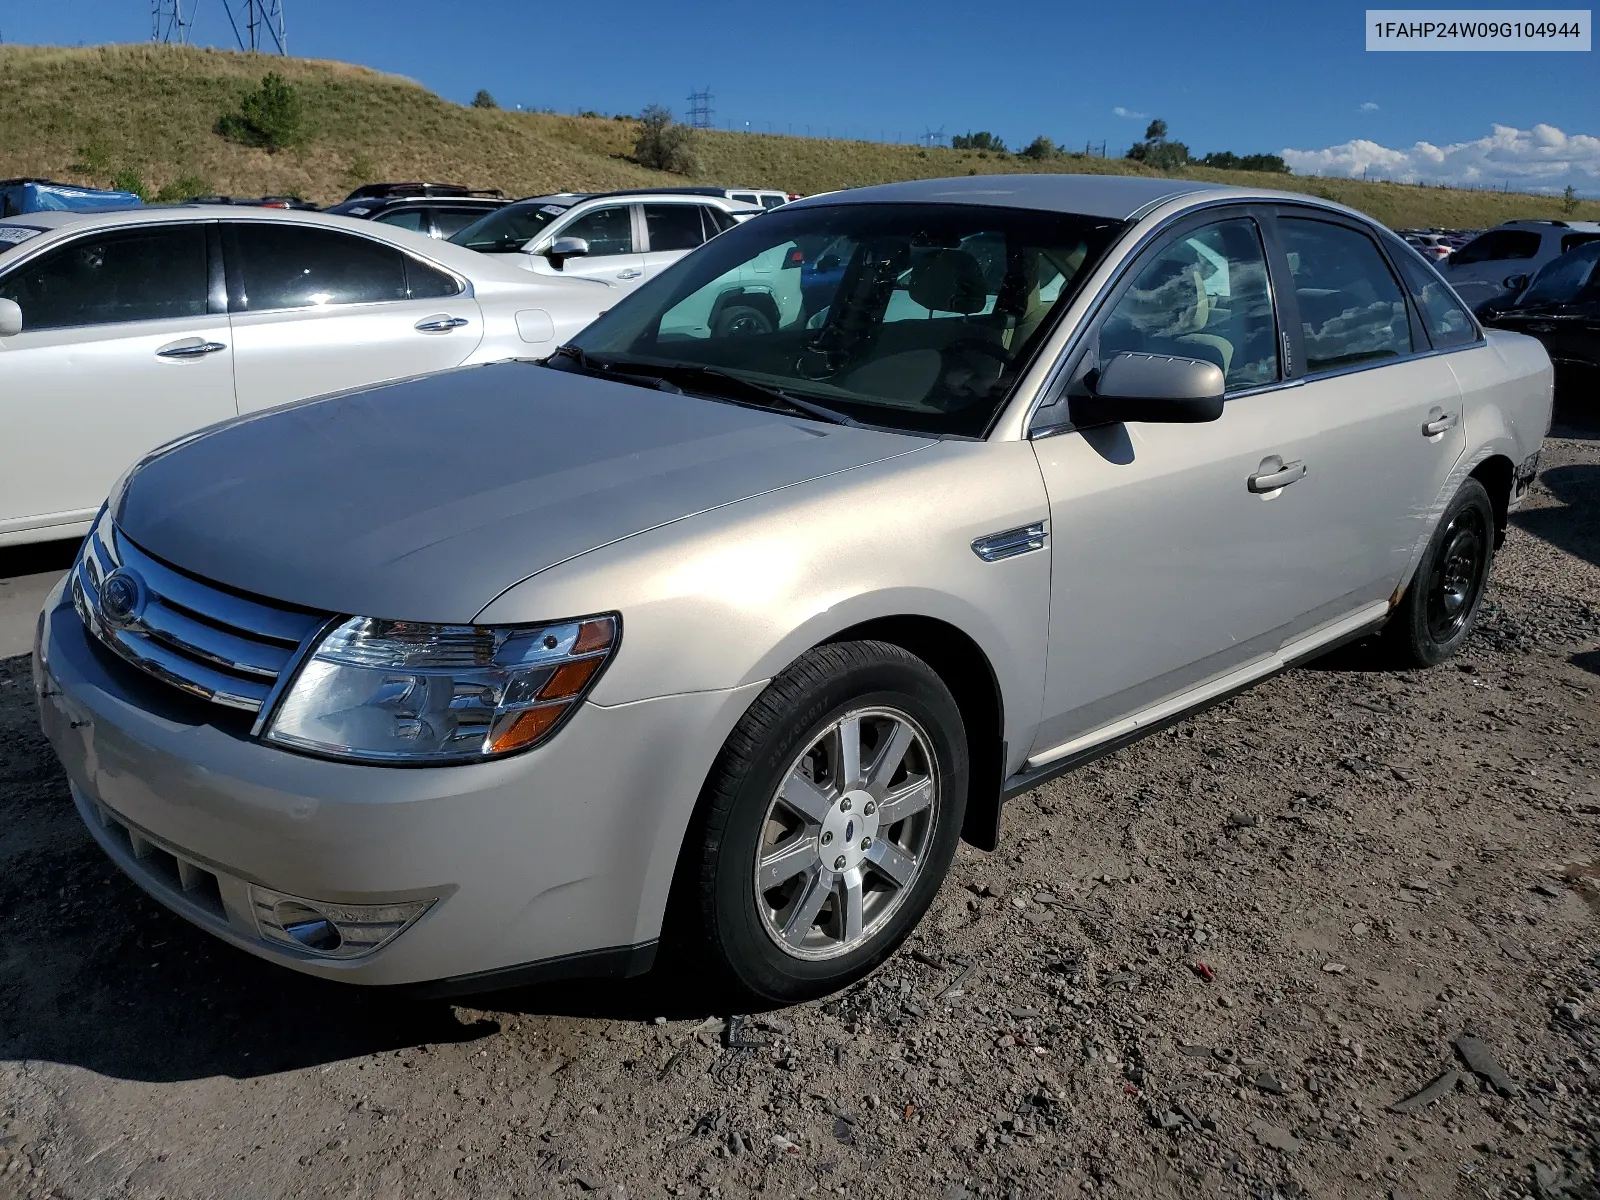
column 1441, row 603
column 829, row 820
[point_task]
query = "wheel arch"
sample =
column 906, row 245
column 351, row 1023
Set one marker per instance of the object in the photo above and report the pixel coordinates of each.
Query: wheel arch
column 1497, row 473
column 754, row 297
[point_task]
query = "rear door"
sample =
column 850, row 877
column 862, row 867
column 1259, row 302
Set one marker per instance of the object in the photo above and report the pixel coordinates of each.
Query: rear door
column 315, row 310
column 1382, row 409
column 671, row 231
column 124, row 346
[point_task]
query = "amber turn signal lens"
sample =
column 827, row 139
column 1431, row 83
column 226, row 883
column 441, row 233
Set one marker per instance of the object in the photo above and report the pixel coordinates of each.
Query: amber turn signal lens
column 527, row 727
column 594, row 635
column 570, row 679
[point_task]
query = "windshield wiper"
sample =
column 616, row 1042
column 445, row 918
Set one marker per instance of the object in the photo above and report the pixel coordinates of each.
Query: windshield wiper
column 725, row 382
column 611, row 368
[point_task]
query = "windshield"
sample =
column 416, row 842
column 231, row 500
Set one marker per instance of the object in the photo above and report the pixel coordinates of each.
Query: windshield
column 912, row 316
column 1560, row 280
column 509, row 228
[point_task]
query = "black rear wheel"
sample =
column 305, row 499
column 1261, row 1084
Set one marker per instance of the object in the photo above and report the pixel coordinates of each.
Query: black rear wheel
column 1441, row 603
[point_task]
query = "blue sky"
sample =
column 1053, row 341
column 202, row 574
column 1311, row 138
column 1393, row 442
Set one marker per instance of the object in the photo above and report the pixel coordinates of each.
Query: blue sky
column 1239, row 76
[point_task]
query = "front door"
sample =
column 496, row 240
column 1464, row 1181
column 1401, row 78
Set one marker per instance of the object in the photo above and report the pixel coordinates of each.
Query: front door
column 1176, row 549
column 614, row 254
column 117, row 355
column 317, row 310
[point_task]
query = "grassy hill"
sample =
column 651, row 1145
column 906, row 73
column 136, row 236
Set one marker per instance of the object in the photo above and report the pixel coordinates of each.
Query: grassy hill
column 81, row 115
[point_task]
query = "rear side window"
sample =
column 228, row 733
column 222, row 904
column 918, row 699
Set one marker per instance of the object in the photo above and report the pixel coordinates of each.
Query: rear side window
column 1572, row 241
column 717, row 221
column 415, row 219
column 1562, row 280
column 1443, row 316
column 1496, row 245
column 272, row 266
column 607, row 230
column 673, row 226
column 773, row 202
column 1351, row 309
column 140, row 274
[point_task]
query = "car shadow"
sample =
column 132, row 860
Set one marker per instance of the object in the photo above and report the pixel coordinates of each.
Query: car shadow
column 1575, row 526
column 36, row 558
column 96, row 974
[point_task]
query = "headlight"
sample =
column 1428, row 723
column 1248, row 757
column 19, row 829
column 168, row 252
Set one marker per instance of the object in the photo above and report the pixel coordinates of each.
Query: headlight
column 402, row 692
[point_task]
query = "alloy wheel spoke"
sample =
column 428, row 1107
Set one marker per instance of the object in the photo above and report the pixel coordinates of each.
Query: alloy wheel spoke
column 818, row 887
column 893, row 863
column 849, row 763
column 790, row 858
column 907, row 801
column 850, row 899
column 805, row 797
column 889, row 759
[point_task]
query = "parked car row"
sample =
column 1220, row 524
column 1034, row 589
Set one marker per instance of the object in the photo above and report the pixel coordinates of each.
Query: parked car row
column 460, row 680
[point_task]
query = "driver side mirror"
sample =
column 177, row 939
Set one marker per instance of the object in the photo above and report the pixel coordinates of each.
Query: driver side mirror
column 564, row 248
column 1515, row 283
column 1151, row 387
column 10, row 318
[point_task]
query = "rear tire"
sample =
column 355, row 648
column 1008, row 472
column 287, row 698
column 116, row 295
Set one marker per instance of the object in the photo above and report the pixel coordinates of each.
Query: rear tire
column 812, row 860
column 741, row 320
column 1441, row 603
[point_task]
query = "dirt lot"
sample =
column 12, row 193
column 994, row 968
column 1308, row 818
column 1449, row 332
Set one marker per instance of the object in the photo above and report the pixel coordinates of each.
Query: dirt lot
column 1369, row 864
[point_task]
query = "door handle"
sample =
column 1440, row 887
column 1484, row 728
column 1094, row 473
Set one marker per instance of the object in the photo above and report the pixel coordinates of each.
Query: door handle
column 630, row 273
column 440, row 324
column 190, row 350
column 1438, row 421
column 1274, row 473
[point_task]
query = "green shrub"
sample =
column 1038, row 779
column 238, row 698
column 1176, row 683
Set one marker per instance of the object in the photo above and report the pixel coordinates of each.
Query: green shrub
column 182, row 188
column 1040, row 148
column 663, row 144
column 129, row 180
column 271, row 117
column 484, row 100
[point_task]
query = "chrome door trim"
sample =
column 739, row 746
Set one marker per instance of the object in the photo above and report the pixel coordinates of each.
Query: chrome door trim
column 1195, row 697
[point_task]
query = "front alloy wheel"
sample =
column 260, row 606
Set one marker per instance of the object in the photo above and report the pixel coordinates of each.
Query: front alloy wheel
column 846, row 833
column 828, row 822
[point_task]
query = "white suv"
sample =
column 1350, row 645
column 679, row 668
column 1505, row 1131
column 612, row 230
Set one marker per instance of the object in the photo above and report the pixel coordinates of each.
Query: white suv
column 1479, row 270
column 623, row 238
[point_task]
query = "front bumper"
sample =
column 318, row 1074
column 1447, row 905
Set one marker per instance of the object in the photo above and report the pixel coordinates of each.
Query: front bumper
column 564, row 854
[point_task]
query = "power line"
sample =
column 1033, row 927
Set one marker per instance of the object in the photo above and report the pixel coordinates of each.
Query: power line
column 700, row 109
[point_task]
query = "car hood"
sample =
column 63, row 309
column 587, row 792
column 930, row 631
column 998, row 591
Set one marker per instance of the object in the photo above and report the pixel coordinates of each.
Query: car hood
column 425, row 499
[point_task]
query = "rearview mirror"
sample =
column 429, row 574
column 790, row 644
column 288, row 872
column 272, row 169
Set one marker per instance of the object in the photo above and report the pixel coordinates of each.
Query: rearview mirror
column 10, row 318
column 564, row 248
column 1151, row 387
column 1515, row 282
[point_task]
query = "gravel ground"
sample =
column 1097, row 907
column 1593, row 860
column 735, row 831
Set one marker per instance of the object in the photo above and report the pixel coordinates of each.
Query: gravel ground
column 1209, row 965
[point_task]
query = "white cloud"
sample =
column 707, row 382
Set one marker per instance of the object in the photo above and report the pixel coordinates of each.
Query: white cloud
column 1541, row 159
column 1370, row 106
column 1129, row 114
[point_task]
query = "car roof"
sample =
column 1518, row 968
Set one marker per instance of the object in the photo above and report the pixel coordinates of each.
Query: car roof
column 1121, row 197
column 1549, row 225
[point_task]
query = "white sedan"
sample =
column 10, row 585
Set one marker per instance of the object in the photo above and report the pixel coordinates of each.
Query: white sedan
column 120, row 331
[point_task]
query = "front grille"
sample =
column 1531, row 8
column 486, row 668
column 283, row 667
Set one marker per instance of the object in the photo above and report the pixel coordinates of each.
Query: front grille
column 207, row 642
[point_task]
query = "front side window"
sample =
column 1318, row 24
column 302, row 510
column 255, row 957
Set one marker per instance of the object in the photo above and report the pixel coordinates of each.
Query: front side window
column 273, row 266
column 673, row 226
column 1204, row 295
column 451, row 221
column 1351, row 309
column 1561, row 280
column 608, row 230
column 510, row 228
column 1496, row 245
column 414, row 219
column 1443, row 316
column 912, row 316
column 145, row 273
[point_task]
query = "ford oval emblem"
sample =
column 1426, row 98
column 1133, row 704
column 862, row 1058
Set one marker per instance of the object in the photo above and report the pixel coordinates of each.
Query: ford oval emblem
column 122, row 597
column 849, row 830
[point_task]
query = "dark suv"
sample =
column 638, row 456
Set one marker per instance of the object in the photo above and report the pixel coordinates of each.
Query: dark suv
column 439, row 210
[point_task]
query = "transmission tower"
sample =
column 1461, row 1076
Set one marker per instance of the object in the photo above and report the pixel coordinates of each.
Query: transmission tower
column 257, row 25
column 934, row 137
column 167, row 22
column 700, row 109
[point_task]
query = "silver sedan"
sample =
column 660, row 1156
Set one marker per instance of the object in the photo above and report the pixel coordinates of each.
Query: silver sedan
column 723, row 630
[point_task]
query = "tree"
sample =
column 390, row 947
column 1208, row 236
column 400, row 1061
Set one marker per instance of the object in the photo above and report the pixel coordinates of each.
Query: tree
column 1040, row 148
column 982, row 140
column 1569, row 200
column 663, row 144
column 1227, row 160
column 1156, row 151
column 270, row 117
column 484, row 100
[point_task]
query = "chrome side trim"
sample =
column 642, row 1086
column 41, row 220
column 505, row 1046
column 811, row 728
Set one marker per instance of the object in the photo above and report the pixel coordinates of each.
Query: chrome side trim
column 1197, row 696
column 1010, row 542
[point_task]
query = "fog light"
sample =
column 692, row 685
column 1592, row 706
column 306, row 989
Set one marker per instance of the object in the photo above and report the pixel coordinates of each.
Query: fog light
column 332, row 930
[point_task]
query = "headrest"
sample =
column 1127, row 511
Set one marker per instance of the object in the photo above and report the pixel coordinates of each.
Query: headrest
column 949, row 281
column 1168, row 300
